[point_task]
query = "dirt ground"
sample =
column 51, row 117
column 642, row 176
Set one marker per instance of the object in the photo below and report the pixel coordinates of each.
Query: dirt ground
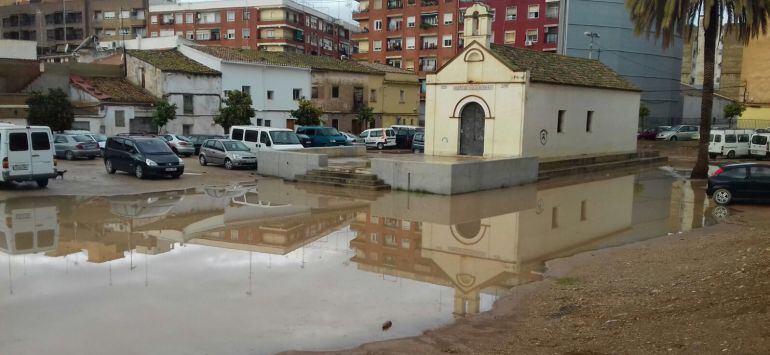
column 706, row 291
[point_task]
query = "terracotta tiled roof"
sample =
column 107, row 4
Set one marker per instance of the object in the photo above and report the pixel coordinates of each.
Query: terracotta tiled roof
column 560, row 69
column 170, row 60
column 111, row 89
column 321, row 63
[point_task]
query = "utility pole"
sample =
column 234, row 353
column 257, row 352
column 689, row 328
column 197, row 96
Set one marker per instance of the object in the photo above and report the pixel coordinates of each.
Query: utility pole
column 64, row 21
column 593, row 36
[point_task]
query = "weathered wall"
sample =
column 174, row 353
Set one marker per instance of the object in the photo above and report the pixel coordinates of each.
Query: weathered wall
column 288, row 164
column 15, row 49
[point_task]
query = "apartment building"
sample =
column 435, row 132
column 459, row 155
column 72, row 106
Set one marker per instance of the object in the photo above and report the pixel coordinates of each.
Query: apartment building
column 272, row 25
column 422, row 35
column 55, row 24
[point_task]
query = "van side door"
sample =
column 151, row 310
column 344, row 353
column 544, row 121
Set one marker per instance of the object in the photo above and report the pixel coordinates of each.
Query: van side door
column 251, row 139
column 264, row 141
column 19, row 156
column 744, row 143
column 42, row 154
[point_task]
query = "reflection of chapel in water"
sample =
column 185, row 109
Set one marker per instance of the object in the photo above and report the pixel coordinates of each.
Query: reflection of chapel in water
column 488, row 242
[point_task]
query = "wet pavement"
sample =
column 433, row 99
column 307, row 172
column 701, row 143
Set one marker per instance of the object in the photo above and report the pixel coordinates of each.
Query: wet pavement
column 269, row 266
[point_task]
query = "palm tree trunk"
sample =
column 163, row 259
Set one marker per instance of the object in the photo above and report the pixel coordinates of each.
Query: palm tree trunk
column 700, row 170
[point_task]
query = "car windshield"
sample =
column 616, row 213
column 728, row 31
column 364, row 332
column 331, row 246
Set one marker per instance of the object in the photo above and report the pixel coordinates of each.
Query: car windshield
column 284, row 137
column 235, row 146
column 759, row 140
column 83, row 139
column 328, row 132
column 153, row 146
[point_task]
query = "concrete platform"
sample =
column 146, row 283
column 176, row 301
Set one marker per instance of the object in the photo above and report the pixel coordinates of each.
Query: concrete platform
column 454, row 175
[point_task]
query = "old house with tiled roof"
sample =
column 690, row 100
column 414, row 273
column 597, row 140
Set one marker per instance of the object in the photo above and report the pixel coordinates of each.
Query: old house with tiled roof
column 498, row 101
column 110, row 105
column 194, row 88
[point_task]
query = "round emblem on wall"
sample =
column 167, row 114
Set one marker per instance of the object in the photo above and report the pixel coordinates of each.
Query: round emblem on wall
column 543, row 137
column 540, row 206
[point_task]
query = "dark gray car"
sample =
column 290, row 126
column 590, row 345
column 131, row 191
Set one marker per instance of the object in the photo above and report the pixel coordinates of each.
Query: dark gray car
column 72, row 146
column 229, row 153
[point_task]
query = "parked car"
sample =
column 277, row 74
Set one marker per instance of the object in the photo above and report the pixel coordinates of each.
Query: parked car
column 730, row 143
column 679, row 133
column 323, row 136
column 379, row 138
column 73, row 146
column 740, row 182
column 304, row 140
column 265, row 138
column 27, row 154
column 142, row 156
column 760, row 145
column 404, row 135
column 99, row 138
column 418, row 142
column 198, row 139
column 229, row 153
column 181, row 145
column 650, row 134
column 350, row 137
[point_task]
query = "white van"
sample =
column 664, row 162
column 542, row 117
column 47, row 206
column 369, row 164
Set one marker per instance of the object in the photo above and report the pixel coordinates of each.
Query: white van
column 26, row 154
column 760, row 145
column 265, row 138
column 27, row 227
column 730, row 143
column 379, row 138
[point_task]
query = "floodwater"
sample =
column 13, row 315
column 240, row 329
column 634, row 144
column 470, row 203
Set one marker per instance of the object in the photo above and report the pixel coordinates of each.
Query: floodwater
column 272, row 266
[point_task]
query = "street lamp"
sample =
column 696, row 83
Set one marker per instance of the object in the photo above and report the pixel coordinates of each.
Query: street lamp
column 593, row 36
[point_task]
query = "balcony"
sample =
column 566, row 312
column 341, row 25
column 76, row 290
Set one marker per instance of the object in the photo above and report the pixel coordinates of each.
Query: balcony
column 395, row 5
column 394, row 25
column 361, row 13
column 394, row 46
column 426, row 3
column 428, row 65
column 428, row 45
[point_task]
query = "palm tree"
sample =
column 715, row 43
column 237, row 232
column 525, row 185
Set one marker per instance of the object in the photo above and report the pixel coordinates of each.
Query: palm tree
column 666, row 19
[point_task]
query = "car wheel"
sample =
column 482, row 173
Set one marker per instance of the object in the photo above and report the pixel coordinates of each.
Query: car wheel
column 139, row 172
column 731, row 154
column 228, row 164
column 202, row 160
column 720, row 213
column 109, row 167
column 380, row 146
column 673, row 138
column 723, row 196
column 69, row 155
column 42, row 183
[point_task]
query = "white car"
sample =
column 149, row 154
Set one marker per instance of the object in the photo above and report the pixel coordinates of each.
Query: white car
column 265, row 138
column 379, row 138
column 26, row 154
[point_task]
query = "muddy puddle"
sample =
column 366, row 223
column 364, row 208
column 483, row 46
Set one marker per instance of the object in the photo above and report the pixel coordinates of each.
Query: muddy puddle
column 273, row 266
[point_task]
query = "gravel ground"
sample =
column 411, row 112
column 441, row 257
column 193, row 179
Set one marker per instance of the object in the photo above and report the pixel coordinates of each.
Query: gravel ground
column 705, row 291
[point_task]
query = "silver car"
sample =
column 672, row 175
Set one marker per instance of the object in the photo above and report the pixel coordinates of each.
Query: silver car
column 230, row 153
column 181, row 145
column 73, row 146
column 679, row 133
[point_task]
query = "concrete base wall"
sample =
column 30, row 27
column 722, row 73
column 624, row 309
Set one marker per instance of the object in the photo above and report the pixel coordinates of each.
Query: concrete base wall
column 348, row 151
column 288, row 164
column 457, row 177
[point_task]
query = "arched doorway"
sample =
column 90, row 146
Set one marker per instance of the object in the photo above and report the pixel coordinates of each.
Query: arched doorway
column 472, row 130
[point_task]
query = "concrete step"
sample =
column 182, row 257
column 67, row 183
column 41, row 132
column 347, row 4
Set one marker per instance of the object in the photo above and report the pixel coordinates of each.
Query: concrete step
column 378, row 187
column 341, row 180
column 591, row 160
column 342, row 174
column 589, row 168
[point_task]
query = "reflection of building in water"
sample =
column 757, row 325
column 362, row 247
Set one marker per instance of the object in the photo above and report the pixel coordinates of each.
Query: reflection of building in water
column 485, row 242
column 28, row 226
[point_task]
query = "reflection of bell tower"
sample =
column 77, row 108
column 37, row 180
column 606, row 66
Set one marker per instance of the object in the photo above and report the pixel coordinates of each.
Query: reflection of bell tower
column 478, row 25
column 466, row 303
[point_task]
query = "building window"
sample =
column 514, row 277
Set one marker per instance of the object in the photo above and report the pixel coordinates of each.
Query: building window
column 409, row 65
column 401, row 96
column 533, row 12
column 373, row 95
column 377, row 46
column 246, row 33
column 296, row 94
column 246, row 89
column 187, row 104
column 552, row 10
column 153, row 34
column 335, row 91
column 584, row 210
column 259, row 121
column 448, row 18
column 447, row 40
column 230, row 16
column 120, row 118
column 589, row 120
column 269, row 94
column 268, row 123
column 314, row 92
column 410, row 22
column 410, row 43
column 178, row 18
column 270, row 34
column 153, row 18
column 560, row 122
column 555, row 218
column 510, row 37
column 378, row 25
column 230, row 34
column 511, row 13
column 336, row 123
column 531, row 36
column 190, row 35
column 246, row 15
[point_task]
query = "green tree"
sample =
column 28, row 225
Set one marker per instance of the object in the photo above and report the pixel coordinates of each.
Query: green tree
column 667, row 19
column 734, row 110
column 53, row 110
column 365, row 117
column 237, row 110
column 307, row 114
column 165, row 112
